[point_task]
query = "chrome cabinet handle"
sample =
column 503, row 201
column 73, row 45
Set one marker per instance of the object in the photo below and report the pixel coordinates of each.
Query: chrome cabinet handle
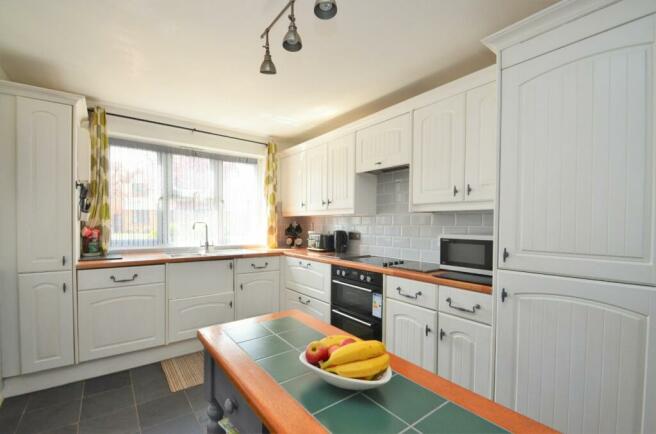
column 378, row 163
column 230, row 304
column 64, row 287
column 303, row 302
column 302, row 204
column 266, row 264
column 462, row 309
column 241, row 286
column 323, row 202
column 63, row 260
column 442, row 334
column 307, row 266
column 115, row 280
column 469, row 189
column 329, row 202
column 504, row 295
column 455, row 190
column 351, row 317
column 230, row 265
column 428, row 330
column 414, row 297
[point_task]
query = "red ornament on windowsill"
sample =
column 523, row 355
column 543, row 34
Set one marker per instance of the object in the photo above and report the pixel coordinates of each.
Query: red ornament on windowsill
column 91, row 241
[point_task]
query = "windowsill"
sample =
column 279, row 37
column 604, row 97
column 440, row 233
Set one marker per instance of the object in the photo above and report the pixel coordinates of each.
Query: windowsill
column 167, row 250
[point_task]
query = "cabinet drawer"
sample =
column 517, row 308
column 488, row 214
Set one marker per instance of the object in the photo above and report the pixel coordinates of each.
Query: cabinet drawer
column 466, row 304
column 120, row 320
column 255, row 265
column 115, row 277
column 195, row 279
column 186, row 316
column 318, row 309
column 413, row 292
column 308, row 277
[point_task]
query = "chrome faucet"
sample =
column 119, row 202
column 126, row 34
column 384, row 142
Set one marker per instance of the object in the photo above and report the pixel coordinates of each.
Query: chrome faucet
column 206, row 246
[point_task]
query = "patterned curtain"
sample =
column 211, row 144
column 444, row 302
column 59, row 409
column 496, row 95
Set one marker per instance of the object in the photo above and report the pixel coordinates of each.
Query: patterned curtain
column 99, row 182
column 271, row 195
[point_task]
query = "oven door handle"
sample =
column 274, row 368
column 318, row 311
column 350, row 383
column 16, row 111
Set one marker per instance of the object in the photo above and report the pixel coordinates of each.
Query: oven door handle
column 352, row 286
column 351, row 317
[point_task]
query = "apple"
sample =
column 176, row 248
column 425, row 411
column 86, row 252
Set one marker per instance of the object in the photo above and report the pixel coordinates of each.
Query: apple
column 316, row 352
column 332, row 349
column 346, row 342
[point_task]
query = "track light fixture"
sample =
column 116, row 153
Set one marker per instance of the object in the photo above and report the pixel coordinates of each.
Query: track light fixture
column 324, row 9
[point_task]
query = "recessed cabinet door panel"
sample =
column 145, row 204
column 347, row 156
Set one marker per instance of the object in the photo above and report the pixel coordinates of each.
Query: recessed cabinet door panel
column 308, row 278
column 316, row 165
column 481, row 144
column 465, row 353
column 293, row 184
column 577, row 159
column 119, row 320
column 341, row 173
column 572, row 353
column 46, row 320
column 257, row 294
column 186, row 316
column 44, row 185
column 318, row 309
column 384, row 145
column 411, row 333
column 438, row 156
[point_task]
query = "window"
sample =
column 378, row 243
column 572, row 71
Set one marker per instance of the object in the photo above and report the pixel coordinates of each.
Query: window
column 157, row 193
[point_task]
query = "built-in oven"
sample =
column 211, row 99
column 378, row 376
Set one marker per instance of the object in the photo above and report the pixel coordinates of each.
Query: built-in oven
column 356, row 302
column 466, row 253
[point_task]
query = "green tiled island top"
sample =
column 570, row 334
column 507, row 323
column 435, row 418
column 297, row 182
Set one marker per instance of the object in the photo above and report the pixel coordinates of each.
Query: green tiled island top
column 404, row 405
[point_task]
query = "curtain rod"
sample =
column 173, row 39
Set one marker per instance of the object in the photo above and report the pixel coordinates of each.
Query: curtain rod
column 193, row 130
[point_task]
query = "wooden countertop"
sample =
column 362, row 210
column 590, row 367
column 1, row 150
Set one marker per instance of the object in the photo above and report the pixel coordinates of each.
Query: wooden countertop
column 281, row 413
column 136, row 259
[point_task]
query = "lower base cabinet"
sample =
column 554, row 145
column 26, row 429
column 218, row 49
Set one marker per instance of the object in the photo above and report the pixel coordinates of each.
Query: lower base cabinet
column 257, row 294
column 46, row 320
column 464, row 353
column 188, row 315
column 119, row 320
column 411, row 333
column 316, row 308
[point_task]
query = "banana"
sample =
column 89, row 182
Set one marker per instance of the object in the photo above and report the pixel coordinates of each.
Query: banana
column 354, row 352
column 329, row 341
column 362, row 368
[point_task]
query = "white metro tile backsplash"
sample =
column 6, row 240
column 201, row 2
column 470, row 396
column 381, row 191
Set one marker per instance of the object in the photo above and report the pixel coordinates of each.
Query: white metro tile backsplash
column 393, row 231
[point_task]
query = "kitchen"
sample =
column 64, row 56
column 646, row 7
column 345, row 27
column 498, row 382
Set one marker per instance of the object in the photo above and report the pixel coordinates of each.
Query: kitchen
column 175, row 251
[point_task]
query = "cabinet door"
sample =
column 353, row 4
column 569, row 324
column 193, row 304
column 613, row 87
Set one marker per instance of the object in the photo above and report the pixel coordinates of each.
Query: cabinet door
column 316, row 166
column 384, row 145
column 293, row 184
column 46, row 320
column 188, row 315
column 341, row 173
column 257, row 294
column 308, row 277
column 410, row 333
column 120, row 320
column 572, row 353
column 194, row 279
column 577, row 159
column 44, row 185
column 318, row 309
column 438, row 155
column 465, row 353
column 481, row 144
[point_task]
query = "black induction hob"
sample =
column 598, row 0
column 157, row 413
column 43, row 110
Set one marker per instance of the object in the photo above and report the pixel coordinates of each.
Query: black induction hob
column 380, row 261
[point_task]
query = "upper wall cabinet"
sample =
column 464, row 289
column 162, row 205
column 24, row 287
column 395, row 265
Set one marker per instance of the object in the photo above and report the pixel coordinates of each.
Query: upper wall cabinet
column 577, row 158
column 384, row 145
column 454, row 152
column 322, row 180
column 44, row 185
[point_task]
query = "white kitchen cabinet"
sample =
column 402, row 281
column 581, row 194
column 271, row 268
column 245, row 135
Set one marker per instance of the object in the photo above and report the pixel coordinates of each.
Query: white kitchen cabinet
column 118, row 320
column 573, row 353
column 577, row 158
column 293, row 184
column 188, row 315
column 194, row 279
column 384, row 145
column 438, row 157
column 465, row 353
column 316, row 175
column 341, row 174
column 310, row 278
column 316, row 308
column 257, row 294
column 481, row 144
column 44, row 183
column 46, row 320
column 411, row 333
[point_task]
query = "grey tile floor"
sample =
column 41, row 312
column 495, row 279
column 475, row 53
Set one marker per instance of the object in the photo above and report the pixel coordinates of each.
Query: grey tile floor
column 137, row 401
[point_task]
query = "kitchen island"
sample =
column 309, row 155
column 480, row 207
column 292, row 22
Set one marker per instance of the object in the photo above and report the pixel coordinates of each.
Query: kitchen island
column 253, row 376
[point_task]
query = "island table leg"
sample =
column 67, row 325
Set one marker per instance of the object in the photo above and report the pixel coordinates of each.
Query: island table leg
column 214, row 410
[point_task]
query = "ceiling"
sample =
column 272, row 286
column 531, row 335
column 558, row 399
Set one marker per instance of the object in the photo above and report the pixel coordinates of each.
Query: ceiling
column 199, row 59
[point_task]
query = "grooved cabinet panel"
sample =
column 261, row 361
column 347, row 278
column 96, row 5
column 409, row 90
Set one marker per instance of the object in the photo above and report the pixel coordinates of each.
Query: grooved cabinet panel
column 341, row 173
column 318, row 309
column 257, row 294
column 188, row 315
column 384, row 145
column 577, row 159
column 316, row 175
column 293, row 184
column 411, row 333
column 44, row 185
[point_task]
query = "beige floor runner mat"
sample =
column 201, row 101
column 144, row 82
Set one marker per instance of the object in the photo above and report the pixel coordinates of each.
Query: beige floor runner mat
column 184, row 372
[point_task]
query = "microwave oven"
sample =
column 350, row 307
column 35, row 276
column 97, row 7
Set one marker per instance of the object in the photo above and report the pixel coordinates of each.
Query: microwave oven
column 466, row 253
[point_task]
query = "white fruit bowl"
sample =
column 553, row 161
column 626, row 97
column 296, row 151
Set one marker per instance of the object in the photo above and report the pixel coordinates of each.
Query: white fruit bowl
column 347, row 383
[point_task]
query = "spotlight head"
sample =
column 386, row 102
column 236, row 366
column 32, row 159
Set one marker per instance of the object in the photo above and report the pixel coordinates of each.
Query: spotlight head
column 325, row 9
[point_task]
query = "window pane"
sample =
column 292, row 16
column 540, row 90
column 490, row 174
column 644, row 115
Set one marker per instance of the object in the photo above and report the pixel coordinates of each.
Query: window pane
column 243, row 217
column 193, row 198
column 134, row 191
